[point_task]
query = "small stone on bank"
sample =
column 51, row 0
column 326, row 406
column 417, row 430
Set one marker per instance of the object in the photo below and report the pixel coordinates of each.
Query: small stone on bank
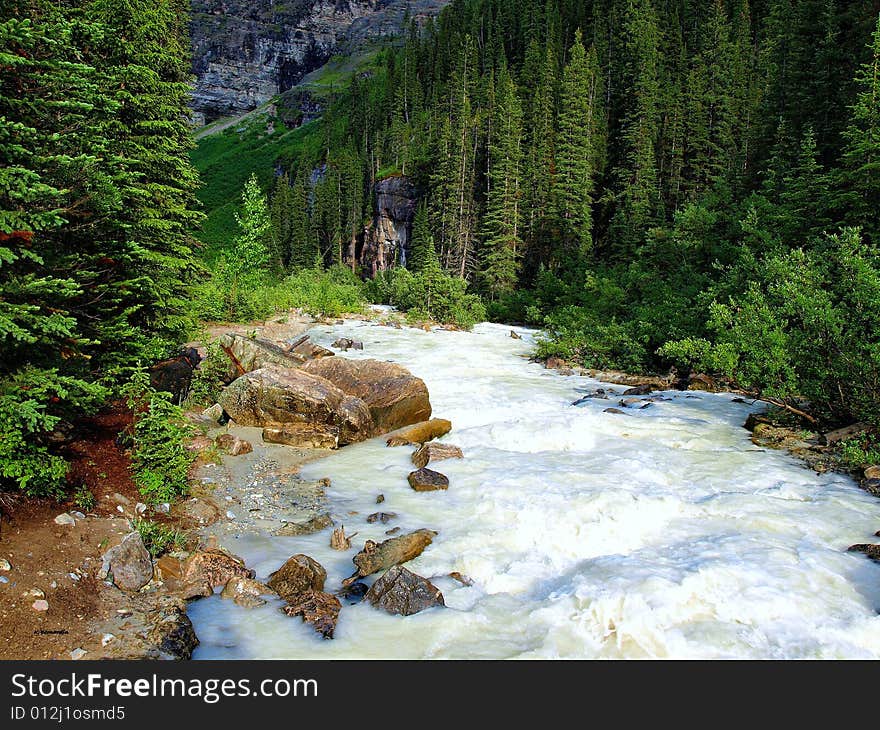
column 65, row 519
column 41, row 605
column 106, row 639
column 5, row 564
column 78, row 654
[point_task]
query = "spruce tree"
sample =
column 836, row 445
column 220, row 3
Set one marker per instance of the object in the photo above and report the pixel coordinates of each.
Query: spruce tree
column 579, row 146
column 303, row 249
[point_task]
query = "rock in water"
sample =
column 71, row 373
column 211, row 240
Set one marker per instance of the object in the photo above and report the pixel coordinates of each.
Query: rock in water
column 420, row 433
column 318, row 609
column 276, row 396
column 435, row 452
column 393, row 395
column 872, row 551
column 376, row 557
column 339, row 540
column 353, row 593
column 344, row 343
column 129, row 563
column 246, row 592
column 298, row 575
column 404, row 593
column 213, row 568
column 872, row 472
column 514, row 335
column 426, row 480
column 383, row 517
column 310, row 527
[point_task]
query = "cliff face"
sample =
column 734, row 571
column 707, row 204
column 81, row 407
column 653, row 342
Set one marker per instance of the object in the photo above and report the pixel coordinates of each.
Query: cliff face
column 387, row 238
column 247, row 51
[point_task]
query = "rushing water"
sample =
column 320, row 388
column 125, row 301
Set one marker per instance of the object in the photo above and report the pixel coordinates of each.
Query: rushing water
column 660, row 533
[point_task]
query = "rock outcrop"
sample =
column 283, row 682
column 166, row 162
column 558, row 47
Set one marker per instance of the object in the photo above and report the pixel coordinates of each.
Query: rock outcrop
column 387, row 238
column 245, row 53
column 246, row 354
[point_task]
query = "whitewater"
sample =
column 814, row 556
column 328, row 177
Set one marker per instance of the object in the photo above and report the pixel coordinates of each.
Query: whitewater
column 660, row 533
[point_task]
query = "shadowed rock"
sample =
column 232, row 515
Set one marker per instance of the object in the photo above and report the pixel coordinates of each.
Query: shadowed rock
column 427, row 480
column 872, row 551
column 404, row 593
column 376, row 557
column 431, row 452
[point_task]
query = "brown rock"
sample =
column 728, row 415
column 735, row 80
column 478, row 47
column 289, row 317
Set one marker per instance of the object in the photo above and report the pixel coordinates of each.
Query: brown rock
column 383, row 517
column 420, row 433
column 245, row 592
column 168, row 567
column 427, row 480
column 344, row 343
column 615, row 411
column 171, row 633
column 463, row 579
column 303, row 435
column 514, row 335
column 213, row 567
column 872, row 551
column 196, row 512
column 298, row 575
column 435, row 452
column 339, row 540
column 310, row 527
column 276, row 396
column 871, row 486
column 394, row 396
column 872, row 472
column 233, row 445
column 199, row 444
column 247, row 354
column 704, row 383
column 380, row 499
column 318, row 609
column 404, row 593
column 376, row 557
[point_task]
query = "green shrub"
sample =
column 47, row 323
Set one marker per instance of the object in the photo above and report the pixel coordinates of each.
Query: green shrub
column 32, row 403
column 158, row 538
column 160, row 459
column 860, row 451
column 84, row 499
column 208, row 377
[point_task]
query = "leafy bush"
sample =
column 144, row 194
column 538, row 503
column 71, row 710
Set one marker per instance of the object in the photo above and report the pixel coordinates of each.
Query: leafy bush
column 429, row 294
column 160, row 460
column 84, row 499
column 861, row 451
column 207, row 379
column 158, row 538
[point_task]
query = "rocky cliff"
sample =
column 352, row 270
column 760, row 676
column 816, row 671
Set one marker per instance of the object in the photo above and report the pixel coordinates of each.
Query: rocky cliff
column 247, row 51
column 387, row 238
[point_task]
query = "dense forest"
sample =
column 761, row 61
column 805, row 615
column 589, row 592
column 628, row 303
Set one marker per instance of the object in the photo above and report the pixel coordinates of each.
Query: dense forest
column 656, row 183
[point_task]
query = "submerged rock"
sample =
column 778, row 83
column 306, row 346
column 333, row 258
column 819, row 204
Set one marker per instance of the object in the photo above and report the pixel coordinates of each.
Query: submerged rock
column 383, row 517
column 376, row 557
column 318, row 609
column 353, row 593
column 213, row 567
column 404, row 593
column 427, row 480
column 393, row 395
column 298, row 575
column 129, row 563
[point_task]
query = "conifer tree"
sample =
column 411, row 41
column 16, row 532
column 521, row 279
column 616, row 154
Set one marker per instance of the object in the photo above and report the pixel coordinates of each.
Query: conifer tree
column 303, row 247
column 579, row 146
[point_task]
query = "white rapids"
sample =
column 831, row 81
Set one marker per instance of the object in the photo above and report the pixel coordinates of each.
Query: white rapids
column 660, row 533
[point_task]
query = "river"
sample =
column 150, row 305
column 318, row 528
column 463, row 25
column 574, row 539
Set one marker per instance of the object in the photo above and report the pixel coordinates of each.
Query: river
column 663, row 532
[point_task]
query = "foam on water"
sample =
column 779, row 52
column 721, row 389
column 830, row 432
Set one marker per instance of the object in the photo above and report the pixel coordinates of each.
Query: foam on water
column 660, row 533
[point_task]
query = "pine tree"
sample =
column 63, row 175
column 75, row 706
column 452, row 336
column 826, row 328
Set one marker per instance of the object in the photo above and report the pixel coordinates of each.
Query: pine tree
column 502, row 241
column 422, row 247
column 303, row 247
column 281, row 211
column 579, row 146
column 861, row 156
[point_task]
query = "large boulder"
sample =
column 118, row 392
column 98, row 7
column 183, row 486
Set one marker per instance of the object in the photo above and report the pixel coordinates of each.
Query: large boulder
column 246, row 354
column 376, row 557
column 404, row 593
column 298, row 575
column 129, row 564
column 394, row 396
column 275, row 396
column 213, row 568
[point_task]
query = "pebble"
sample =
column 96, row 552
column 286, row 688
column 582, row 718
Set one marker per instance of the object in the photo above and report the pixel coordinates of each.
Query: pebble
column 119, row 508
column 230, row 515
column 4, row 579
column 73, row 576
column 78, row 654
column 140, row 508
column 164, row 508
column 5, row 564
column 65, row 519
column 34, row 593
column 41, row 605
column 53, row 584
column 380, row 499
column 106, row 639
column 78, row 515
